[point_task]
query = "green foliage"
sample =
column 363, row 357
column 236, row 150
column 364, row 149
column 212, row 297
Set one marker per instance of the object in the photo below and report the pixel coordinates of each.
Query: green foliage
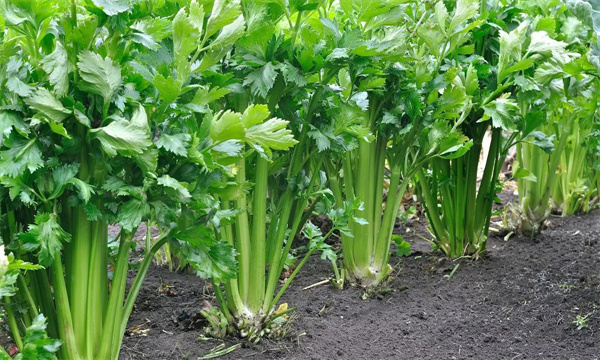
column 99, row 76
column 402, row 247
column 502, row 111
column 210, row 258
column 253, row 128
column 46, row 235
column 122, row 137
column 37, row 345
column 226, row 124
column 105, row 111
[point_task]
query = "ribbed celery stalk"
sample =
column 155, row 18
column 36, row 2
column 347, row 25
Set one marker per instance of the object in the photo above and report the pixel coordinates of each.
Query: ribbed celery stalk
column 79, row 266
column 12, row 322
column 244, row 243
column 113, row 315
column 234, row 295
column 65, row 321
column 256, row 290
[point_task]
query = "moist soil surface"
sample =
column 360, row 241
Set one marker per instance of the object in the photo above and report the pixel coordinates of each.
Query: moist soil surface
column 519, row 302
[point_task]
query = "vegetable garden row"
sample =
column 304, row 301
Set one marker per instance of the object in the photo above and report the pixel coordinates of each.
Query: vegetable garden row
column 224, row 126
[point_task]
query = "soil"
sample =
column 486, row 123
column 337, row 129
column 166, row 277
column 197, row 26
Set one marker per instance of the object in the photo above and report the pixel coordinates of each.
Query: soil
column 519, row 302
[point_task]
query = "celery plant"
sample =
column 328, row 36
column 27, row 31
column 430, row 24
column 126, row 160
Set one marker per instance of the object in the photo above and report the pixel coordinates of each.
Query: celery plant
column 245, row 296
column 386, row 114
column 458, row 211
column 536, row 170
column 94, row 97
column 577, row 187
column 563, row 107
column 261, row 232
column 284, row 66
column 458, row 207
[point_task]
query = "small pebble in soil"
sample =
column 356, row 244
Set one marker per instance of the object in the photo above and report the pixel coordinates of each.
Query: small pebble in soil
column 489, row 339
column 518, row 339
column 420, row 316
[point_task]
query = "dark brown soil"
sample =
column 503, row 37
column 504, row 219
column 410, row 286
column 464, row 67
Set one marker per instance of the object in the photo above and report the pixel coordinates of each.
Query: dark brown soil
column 517, row 303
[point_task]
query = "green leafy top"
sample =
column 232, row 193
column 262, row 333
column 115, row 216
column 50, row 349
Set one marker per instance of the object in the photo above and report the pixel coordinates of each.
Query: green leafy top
column 109, row 110
column 253, row 128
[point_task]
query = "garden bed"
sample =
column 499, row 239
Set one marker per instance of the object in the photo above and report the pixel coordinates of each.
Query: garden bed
column 519, row 302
